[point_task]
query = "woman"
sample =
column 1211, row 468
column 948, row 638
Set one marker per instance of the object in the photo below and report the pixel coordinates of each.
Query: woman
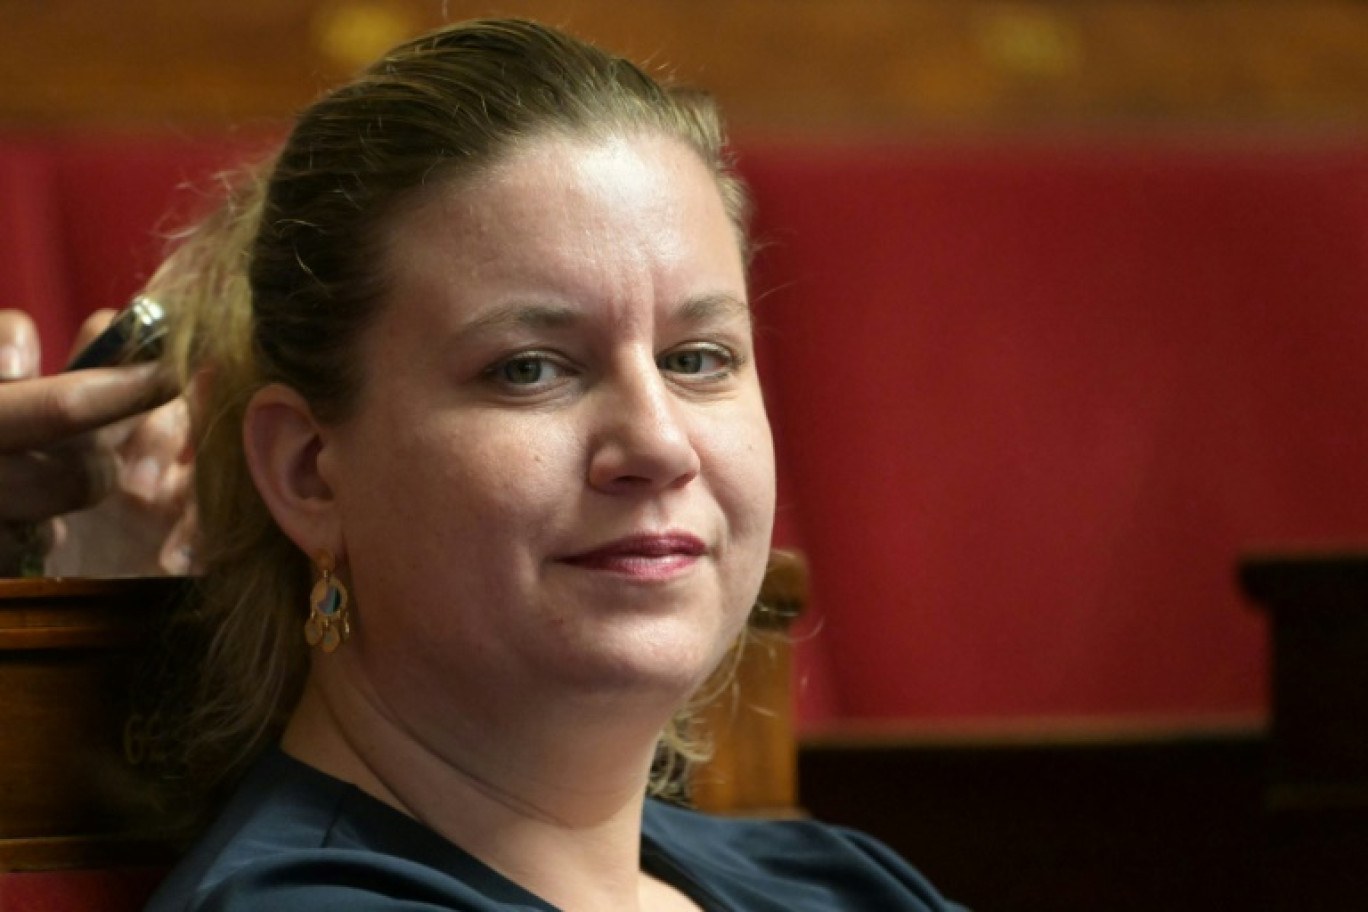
column 492, row 443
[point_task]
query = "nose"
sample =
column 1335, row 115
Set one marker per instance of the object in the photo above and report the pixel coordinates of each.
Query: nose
column 643, row 441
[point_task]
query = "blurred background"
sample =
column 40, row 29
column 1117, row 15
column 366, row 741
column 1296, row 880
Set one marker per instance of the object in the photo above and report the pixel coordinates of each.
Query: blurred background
column 789, row 66
column 1064, row 312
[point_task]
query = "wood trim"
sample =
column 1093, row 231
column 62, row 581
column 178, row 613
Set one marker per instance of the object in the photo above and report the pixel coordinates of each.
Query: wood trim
column 753, row 769
column 858, row 65
column 114, row 591
column 88, row 851
column 83, row 613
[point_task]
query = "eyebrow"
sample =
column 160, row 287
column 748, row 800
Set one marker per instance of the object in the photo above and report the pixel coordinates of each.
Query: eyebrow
column 523, row 316
column 703, row 308
column 698, row 309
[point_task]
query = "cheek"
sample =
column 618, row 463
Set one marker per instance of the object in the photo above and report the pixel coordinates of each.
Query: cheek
column 742, row 456
column 441, row 477
column 432, row 516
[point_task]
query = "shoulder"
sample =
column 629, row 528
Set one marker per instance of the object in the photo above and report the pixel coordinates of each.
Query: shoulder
column 294, row 838
column 794, row 865
column 342, row 880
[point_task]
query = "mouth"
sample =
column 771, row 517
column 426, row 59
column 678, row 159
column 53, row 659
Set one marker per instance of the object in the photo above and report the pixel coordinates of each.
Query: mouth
column 646, row 556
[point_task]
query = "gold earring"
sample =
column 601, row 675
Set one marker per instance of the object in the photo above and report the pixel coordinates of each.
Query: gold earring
column 329, row 624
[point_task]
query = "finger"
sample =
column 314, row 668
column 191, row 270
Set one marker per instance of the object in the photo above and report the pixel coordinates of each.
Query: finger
column 177, row 490
column 152, row 449
column 42, row 411
column 41, row 484
column 90, row 328
column 20, row 353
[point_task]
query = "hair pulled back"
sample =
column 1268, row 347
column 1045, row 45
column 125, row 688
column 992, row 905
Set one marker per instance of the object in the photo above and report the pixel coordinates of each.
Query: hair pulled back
column 281, row 281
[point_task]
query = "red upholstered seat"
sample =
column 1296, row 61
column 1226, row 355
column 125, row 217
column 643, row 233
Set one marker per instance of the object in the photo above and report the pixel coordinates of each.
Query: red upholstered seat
column 1030, row 400
column 84, row 219
column 32, row 256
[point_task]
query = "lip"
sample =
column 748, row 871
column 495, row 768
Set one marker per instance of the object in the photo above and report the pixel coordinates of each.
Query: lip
column 643, row 555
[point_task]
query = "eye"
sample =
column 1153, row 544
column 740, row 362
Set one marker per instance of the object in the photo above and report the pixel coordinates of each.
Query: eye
column 526, row 370
column 706, row 360
column 523, row 370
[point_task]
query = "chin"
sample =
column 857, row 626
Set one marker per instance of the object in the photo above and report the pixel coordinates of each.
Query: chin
column 664, row 670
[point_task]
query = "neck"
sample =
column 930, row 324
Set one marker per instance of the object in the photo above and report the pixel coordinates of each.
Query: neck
column 552, row 803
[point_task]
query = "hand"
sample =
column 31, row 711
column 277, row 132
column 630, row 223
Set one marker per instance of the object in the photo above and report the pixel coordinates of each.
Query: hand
column 68, row 442
column 146, row 523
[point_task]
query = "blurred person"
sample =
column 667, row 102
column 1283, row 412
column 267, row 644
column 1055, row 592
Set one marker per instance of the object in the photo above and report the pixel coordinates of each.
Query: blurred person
column 93, row 464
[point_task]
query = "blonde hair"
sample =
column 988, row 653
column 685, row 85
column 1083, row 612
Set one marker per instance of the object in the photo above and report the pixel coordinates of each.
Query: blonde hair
column 280, row 282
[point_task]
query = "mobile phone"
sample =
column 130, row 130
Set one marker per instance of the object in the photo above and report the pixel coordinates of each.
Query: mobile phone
column 136, row 334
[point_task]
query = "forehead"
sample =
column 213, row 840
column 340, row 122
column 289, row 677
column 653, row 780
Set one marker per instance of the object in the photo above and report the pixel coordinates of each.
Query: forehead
column 587, row 216
column 617, row 174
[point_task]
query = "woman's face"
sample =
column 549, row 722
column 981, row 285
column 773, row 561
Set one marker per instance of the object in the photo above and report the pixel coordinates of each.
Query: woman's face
column 560, row 475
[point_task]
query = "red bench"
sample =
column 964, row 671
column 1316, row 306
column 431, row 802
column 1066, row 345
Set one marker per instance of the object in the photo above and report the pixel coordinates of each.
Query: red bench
column 1030, row 400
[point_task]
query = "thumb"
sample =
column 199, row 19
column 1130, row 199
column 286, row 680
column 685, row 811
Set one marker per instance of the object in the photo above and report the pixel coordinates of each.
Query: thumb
column 92, row 327
column 20, row 353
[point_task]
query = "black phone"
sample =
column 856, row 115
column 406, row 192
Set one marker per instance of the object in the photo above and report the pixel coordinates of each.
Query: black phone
column 136, row 334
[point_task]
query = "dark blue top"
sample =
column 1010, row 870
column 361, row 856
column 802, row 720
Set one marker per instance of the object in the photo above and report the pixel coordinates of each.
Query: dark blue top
column 294, row 838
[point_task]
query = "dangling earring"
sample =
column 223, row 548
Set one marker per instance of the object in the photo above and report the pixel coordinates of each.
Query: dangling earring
column 328, row 624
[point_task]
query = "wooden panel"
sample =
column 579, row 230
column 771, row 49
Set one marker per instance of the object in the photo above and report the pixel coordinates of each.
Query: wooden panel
column 1317, row 792
column 68, row 795
column 1318, row 610
column 806, row 65
column 753, row 769
column 1117, row 817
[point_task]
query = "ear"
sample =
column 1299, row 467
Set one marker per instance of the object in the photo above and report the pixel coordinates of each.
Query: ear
column 283, row 440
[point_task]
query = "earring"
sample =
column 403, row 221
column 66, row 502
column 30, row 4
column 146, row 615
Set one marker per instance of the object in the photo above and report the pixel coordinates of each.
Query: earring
column 328, row 624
